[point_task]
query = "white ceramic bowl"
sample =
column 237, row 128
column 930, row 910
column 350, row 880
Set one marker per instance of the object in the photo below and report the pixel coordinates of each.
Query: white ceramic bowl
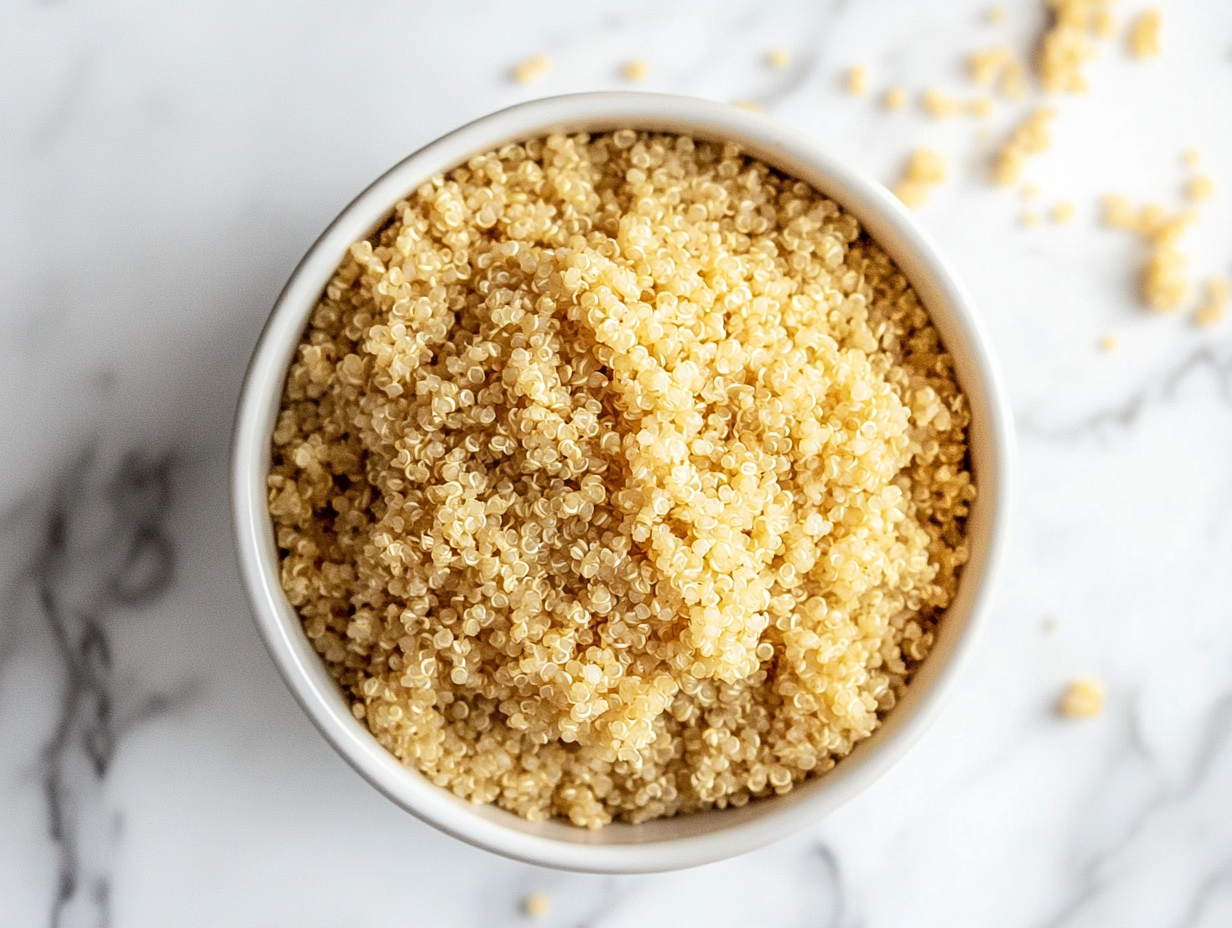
column 693, row 839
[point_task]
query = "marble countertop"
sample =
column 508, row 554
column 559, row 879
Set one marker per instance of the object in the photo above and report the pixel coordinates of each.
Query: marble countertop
column 162, row 169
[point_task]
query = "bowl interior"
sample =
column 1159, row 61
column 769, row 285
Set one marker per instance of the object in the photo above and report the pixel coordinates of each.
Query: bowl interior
column 687, row 840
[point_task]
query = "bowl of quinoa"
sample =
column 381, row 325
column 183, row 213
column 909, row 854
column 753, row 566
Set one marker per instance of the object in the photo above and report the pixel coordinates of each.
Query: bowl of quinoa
column 619, row 481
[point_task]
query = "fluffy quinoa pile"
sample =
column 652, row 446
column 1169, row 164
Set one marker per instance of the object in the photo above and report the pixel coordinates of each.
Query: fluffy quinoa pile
column 618, row 477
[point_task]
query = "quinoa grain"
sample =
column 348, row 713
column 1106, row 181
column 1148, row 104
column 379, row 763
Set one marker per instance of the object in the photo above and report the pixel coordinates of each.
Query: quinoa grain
column 988, row 65
column 857, row 80
column 537, row 905
column 1200, row 188
column 939, row 105
column 636, row 70
column 1144, row 34
column 531, row 69
column 1214, row 307
column 1068, row 44
column 980, row 107
column 1084, row 698
column 1030, row 138
column 895, row 98
column 1164, row 285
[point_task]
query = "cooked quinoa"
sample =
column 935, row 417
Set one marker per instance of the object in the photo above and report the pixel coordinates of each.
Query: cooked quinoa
column 1031, row 137
column 620, row 477
column 1069, row 42
column 999, row 67
column 1144, row 34
column 1164, row 284
column 924, row 170
column 857, row 80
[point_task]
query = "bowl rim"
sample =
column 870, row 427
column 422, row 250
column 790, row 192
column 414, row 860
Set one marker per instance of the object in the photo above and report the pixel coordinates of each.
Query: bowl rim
column 630, row 848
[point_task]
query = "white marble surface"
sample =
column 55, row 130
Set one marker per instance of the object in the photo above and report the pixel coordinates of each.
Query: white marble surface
column 162, row 168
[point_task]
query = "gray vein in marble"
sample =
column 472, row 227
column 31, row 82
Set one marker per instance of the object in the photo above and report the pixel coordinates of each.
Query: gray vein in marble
column 1215, row 358
column 102, row 549
column 1096, row 877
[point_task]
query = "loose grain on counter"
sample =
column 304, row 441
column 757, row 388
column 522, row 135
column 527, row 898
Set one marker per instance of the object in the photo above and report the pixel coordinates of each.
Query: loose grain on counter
column 1032, row 136
column 1214, row 306
column 857, row 80
column 895, row 98
column 620, row 477
column 925, row 169
column 1144, row 34
column 1082, row 699
column 1163, row 282
column 1069, row 42
column 1000, row 67
column 531, row 69
column 635, row 70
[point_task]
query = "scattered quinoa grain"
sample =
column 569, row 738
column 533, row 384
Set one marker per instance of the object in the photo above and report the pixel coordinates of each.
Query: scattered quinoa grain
column 1049, row 625
column 895, row 98
column 1063, row 212
column 537, row 905
column 1164, row 284
column 1083, row 698
column 1030, row 219
column 1191, row 157
column 1030, row 191
column 940, row 106
column 620, row 477
column 1118, row 213
column 996, row 14
column 1214, row 307
column 1144, row 34
column 531, row 69
column 1109, row 343
column 1105, row 23
column 636, row 70
column 1013, row 83
column 1200, row 188
column 779, row 58
column 1068, row 43
column 925, row 168
column 1030, row 138
column 1209, row 314
column 857, row 80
